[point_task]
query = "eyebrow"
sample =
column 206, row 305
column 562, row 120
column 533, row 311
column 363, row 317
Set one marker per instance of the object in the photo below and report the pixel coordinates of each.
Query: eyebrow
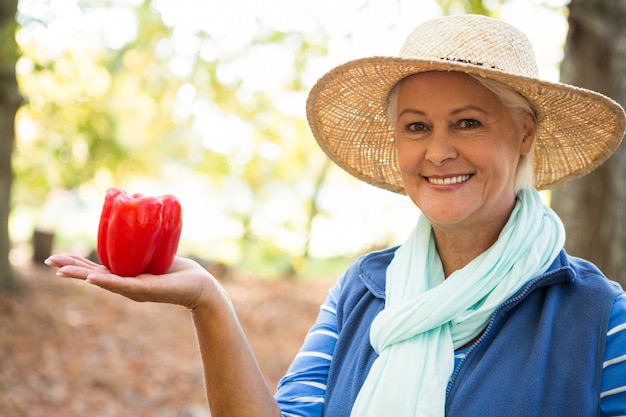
column 413, row 111
column 469, row 107
column 453, row 112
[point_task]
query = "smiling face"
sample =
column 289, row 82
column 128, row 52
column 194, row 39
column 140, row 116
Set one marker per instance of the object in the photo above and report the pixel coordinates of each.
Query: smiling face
column 458, row 150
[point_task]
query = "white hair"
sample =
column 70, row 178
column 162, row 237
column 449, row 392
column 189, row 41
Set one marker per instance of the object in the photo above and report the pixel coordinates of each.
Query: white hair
column 512, row 100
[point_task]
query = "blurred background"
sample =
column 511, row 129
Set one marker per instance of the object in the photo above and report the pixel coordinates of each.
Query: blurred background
column 205, row 100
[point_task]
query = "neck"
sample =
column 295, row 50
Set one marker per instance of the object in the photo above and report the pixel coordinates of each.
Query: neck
column 458, row 247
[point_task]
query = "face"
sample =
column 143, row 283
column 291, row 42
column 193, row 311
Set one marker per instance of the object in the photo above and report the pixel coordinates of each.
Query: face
column 458, row 149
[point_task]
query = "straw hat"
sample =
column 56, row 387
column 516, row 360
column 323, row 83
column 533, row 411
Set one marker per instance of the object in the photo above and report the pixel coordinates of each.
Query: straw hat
column 578, row 129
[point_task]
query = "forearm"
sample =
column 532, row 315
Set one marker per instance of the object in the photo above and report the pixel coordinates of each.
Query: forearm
column 234, row 383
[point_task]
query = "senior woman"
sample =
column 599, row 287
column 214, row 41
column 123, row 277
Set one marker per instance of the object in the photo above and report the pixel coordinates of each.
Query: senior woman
column 480, row 311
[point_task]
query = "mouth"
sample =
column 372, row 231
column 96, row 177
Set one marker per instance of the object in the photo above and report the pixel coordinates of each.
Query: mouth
column 448, row 180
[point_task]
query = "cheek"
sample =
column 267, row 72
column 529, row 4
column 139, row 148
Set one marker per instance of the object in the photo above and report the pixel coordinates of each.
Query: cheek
column 407, row 158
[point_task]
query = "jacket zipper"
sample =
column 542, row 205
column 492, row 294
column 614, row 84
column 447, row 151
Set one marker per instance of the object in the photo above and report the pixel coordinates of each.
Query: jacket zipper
column 513, row 300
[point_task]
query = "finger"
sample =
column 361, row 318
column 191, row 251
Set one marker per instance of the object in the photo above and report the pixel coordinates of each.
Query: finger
column 144, row 287
column 70, row 259
column 71, row 271
column 181, row 264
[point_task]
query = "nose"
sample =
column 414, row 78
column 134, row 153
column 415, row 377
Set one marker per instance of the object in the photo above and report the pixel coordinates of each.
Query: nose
column 441, row 148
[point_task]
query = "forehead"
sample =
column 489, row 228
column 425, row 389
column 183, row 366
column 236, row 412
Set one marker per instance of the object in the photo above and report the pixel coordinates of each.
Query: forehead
column 444, row 90
column 442, row 83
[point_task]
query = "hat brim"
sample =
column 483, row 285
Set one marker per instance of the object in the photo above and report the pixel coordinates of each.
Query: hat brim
column 577, row 129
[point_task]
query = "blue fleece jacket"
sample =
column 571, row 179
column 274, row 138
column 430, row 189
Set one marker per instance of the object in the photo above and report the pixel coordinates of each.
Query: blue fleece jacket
column 541, row 354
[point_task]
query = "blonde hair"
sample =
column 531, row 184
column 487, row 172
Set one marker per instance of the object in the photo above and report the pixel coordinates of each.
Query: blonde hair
column 512, row 100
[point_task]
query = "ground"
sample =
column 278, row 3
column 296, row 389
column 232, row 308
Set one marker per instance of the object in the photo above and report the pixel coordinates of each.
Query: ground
column 69, row 349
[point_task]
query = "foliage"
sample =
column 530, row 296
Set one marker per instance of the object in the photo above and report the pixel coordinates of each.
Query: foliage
column 102, row 112
column 485, row 7
column 155, row 94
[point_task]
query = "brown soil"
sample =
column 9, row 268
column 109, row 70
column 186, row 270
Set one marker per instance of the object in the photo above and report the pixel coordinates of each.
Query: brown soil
column 70, row 349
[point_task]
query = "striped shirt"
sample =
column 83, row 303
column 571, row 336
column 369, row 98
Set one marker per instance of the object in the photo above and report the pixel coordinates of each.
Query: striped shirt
column 302, row 390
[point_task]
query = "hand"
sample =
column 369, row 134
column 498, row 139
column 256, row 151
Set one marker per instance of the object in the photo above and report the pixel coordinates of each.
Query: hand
column 234, row 384
column 186, row 283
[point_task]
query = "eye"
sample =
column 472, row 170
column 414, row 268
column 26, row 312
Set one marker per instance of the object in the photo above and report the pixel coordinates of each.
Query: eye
column 416, row 127
column 469, row 124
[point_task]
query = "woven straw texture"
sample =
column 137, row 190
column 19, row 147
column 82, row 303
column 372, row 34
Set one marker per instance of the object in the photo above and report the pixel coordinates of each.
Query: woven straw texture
column 578, row 129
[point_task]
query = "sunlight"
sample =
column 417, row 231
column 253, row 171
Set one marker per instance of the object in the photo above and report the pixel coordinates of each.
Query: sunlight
column 227, row 31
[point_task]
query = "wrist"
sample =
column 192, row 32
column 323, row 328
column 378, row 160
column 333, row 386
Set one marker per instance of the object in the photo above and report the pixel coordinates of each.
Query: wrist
column 212, row 301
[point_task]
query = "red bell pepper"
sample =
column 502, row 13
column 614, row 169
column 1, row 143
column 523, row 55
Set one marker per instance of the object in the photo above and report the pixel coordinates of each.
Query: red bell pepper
column 137, row 233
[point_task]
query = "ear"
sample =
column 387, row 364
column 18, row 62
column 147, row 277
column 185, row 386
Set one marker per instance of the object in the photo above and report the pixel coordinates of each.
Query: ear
column 529, row 132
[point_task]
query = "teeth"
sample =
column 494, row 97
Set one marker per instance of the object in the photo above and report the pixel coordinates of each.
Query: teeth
column 449, row 180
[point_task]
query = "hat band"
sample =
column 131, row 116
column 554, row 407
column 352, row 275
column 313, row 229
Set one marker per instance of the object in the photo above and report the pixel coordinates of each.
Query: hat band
column 470, row 62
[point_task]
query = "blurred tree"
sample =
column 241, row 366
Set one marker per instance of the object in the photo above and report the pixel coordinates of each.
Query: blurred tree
column 9, row 102
column 96, row 110
column 592, row 207
column 170, row 96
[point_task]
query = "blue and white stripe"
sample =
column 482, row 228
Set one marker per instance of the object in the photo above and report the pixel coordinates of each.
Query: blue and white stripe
column 613, row 396
column 301, row 392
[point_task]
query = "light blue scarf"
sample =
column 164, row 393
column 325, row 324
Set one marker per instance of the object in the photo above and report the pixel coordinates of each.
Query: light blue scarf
column 427, row 317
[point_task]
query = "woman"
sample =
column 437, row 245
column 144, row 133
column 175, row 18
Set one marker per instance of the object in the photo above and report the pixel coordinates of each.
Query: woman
column 480, row 311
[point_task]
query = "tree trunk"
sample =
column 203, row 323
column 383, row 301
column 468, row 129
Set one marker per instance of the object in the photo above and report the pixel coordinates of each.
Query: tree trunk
column 593, row 208
column 10, row 101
